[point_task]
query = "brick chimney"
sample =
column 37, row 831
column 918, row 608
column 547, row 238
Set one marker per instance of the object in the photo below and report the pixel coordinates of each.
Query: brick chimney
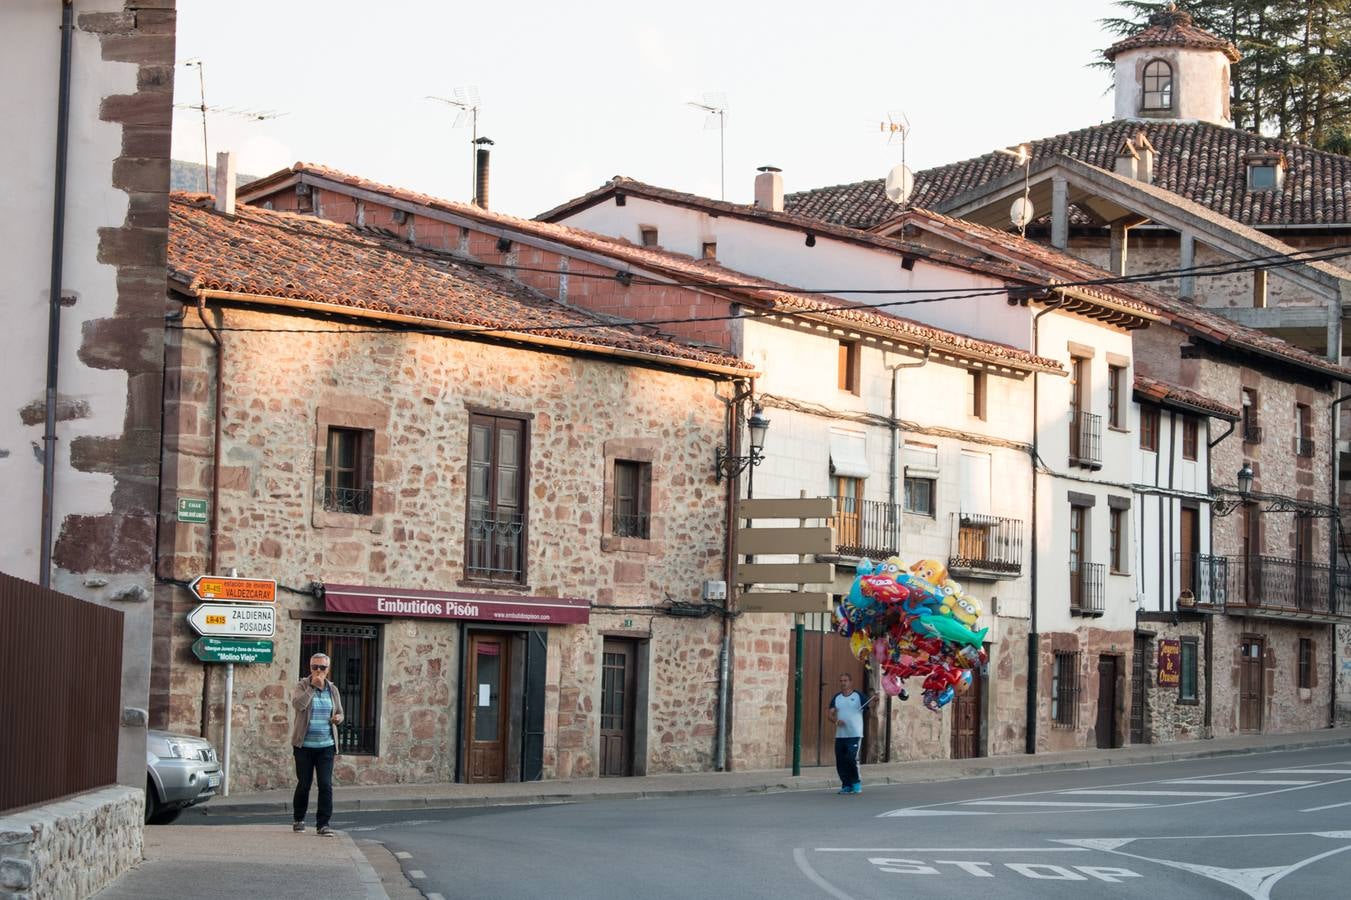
column 225, row 183
column 769, row 189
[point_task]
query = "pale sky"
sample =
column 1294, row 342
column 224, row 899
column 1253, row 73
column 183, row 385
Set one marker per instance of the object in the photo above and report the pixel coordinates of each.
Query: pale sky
column 574, row 93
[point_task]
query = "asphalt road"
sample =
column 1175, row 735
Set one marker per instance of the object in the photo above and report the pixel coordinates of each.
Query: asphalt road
column 1272, row 825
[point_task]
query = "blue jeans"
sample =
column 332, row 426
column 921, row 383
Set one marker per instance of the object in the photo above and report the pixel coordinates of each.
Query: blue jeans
column 309, row 762
column 846, row 760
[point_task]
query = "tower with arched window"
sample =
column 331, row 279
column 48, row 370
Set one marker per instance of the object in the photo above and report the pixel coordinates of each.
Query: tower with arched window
column 1173, row 70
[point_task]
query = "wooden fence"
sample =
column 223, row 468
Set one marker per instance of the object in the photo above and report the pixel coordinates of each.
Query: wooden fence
column 60, row 694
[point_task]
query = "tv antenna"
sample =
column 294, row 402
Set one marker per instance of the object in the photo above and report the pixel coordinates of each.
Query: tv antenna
column 900, row 182
column 715, row 104
column 258, row 115
column 1021, row 211
column 466, row 100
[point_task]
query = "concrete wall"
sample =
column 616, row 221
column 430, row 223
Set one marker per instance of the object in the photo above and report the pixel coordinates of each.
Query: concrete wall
column 110, row 356
column 72, row 848
column 1200, row 84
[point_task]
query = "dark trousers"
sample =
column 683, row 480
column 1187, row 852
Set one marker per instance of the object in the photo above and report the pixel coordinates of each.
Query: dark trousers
column 309, row 762
column 846, row 760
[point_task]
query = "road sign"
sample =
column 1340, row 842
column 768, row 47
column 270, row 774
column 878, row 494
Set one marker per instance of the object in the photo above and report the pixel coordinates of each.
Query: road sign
column 776, row 541
column 234, row 590
column 251, row 620
column 224, row 650
column 191, row 511
column 785, row 573
column 785, row 602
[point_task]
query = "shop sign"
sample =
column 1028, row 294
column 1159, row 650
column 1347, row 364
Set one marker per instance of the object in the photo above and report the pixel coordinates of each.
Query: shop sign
column 505, row 608
column 1170, row 662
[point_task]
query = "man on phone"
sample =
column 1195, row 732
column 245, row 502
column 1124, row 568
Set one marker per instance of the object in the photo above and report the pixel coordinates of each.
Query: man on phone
column 314, row 740
column 846, row 711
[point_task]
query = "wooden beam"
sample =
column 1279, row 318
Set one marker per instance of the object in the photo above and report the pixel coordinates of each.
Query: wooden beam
column 785, row 573
column 791, row 541
column 785, row 602
column 803, row 508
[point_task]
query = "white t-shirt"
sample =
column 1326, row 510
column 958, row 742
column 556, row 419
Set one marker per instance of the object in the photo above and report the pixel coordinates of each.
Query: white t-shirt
column 848, row 714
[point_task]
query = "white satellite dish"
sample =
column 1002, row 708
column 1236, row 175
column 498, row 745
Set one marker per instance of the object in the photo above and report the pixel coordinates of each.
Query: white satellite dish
column 1021, row 212
column 900, row 184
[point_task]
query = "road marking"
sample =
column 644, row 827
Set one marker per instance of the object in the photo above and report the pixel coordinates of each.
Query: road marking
column 1065, row 803
column 800, row 858
column 930, row 812
column 435, row 897
column 416, row 873
column 1253, row 781
column 1329, row 806
column 1158, row 793
column 949, row 849
column 402, row 854
column 1306, row 772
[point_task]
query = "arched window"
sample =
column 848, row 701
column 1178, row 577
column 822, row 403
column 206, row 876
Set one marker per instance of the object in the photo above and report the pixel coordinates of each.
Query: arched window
column 1158, row 85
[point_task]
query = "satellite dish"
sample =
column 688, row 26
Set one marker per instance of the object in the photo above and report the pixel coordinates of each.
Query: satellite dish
column 1021, row 212
column 900, row 184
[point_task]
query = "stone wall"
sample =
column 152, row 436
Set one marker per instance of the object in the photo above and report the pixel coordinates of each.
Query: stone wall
column 1091, row 644
column 72, row 848
column 1285, row 707
column 1167, row 716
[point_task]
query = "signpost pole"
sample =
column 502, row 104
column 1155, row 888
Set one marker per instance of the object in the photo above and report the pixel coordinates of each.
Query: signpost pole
column 797, row 695
column 229, row 714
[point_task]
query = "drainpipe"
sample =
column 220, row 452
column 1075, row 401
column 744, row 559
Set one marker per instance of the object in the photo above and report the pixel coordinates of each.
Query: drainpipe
column 215, row 485
column 54, row 298
column 893, row 469
column 1034, row 639
column 721, row 751
column 1334, row 526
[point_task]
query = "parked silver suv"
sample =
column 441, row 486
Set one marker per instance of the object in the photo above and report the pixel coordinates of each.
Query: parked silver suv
column 181, row 770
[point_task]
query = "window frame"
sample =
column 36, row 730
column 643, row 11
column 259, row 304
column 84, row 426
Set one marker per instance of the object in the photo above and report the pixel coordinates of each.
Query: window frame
column 641, row 499
column 1118, row 540
column 362, row 469
column 1193, row 645
column 1304, row 445
column 708, row 250
column 1065, row 689
column 645, row 452
column 1163, row 87
column 372, row 681
column 375, row 419
column 1191, row 432
column 1150, row 423
column 977, row 394
column 1304, row 669
column 1250, row 420
column 648, row 236
column 932, row 488
column 847, row 367
column 499, row 421
column 1115, row 379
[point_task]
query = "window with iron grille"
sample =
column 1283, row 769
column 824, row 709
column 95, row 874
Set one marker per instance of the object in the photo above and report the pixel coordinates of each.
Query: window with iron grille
column 1065, row 690
column 1190, row 432
column 1186, row 683
column 1305, row 663
column 354, row 668
column 347, row 470
column 632, row 499
column 495, row 527
column 1303, row 430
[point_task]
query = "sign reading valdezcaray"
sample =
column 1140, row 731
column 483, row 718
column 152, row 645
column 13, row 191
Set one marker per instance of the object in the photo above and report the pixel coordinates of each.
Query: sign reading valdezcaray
column 372, row 601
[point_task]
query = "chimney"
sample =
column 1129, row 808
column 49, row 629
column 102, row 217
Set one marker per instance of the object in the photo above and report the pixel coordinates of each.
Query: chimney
column 481, row 172
column 769, row 189
column 1127, row 163
column 1145, row 169
column 225, row 183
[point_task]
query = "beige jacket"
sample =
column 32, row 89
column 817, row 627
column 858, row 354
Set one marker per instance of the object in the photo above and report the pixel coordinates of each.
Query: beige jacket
column 302, row 695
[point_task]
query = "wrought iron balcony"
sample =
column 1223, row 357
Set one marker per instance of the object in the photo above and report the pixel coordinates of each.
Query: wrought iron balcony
column 1304, row 446
column 1205, row 576
column 1086, row 440
column 986, row 545
column 870, row 528
column 1088, row 588
column 356, row 501
column 1287, row 587
column 1252, row 433
column 495, row 547
column 633, row 525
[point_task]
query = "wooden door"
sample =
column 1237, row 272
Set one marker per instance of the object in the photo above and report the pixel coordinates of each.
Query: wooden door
column 1190, row 535
column 485, row 708
column 824, row 656
column 1106, row 724
column 968, row 711
column 616, row 708
column 1251, row 684
column 848, row 512
column 1076, row 556
column 1139, row 668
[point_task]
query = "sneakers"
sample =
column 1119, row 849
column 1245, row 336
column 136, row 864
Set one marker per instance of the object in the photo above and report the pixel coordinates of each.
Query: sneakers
column 858, row 788
column 325, row 831
column 845, row 790
column 297, row 827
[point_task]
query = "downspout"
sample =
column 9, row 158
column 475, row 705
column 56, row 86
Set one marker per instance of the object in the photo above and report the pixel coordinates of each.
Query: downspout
column 54, row 296
column 733, row 424
column 215, row 485
column 893, row 469
column 1034, row 639
column 1334, row 526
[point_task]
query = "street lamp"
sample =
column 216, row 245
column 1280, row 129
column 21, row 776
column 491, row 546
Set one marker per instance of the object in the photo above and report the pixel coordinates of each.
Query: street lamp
column 727, row 466
column 1223, row 506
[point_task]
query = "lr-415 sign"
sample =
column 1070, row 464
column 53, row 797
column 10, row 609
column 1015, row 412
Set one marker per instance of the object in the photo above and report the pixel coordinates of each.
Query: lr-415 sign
column 224, row 620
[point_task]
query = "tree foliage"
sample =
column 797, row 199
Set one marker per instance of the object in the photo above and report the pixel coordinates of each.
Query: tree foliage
column 1294, row 80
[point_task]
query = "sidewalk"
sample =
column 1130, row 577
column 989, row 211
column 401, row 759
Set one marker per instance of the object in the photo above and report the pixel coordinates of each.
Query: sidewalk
column 445, row 796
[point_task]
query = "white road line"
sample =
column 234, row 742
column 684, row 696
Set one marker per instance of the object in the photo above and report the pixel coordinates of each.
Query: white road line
column 1157, row 793
column 800, row 858
column 1255, row 781
column 899, row 813
column 1065, row 803
column 416, row 873
column 402, row 854
column 435, row 897
column 1305, row 772
column 950, row 849
column 1329, row 806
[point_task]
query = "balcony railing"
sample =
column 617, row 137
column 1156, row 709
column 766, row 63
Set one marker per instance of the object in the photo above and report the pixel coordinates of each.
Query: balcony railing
column 1252, row 434
column 1205, row 576
column 1088, row 588
column 495, row 546
column 1085, row 440
column 356, row 501
column 986, row 545
column 1279, row 584
column 870, row 528
column 634, row 525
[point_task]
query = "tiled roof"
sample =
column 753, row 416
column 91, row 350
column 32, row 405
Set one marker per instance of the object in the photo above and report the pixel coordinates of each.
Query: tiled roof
column 297, row 257
column 1166, row 394
column 1200, row 161
column 1173, row 28
column 758, row 291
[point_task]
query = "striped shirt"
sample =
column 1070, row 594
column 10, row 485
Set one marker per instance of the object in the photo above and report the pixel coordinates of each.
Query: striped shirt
column 320, row 732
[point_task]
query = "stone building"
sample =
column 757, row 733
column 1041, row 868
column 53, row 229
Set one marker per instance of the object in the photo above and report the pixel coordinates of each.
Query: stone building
column 496, row 513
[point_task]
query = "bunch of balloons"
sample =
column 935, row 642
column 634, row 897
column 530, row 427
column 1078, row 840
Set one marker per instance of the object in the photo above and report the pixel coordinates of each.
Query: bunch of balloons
column 914, row 621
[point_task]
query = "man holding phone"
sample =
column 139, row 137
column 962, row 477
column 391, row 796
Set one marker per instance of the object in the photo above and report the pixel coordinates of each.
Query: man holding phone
column 314, row 740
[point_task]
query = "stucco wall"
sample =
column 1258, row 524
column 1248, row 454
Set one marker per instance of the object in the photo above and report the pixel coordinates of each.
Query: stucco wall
column 1200, row 84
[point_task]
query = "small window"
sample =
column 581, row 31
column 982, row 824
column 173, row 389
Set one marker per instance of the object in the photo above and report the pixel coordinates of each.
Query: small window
column 848, row 494
column 848, row 366
column 1303, row 430
column 347, row 471
column 1252, row 432
column 1186, row 683
column 710, row 250
column 354, row 668
column 1149, row 429
column 1305, row 663
column 1118, row 540
column 1190, row 432
column 648, row 234
column 1158, row 86
column 632, row 499
column 975, row 394
column 919, row 495
column 495, row 510
column 1065, row 690
column 1115, row 376
column 1263, row 177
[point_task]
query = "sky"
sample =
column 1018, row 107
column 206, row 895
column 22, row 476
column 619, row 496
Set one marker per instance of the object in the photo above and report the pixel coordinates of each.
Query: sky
column 575, row 93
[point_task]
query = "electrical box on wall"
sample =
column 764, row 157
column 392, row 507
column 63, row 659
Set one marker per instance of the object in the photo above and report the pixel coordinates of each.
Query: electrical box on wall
column 715, row 590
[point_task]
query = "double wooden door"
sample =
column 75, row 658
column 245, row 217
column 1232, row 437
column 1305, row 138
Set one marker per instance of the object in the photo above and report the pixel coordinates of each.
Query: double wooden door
column 825, row 655
column 1139, row 692
column 1251, row 684
column 486, row 713
column 967, row 712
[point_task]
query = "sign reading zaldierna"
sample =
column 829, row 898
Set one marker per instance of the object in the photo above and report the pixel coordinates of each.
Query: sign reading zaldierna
column 373, row 601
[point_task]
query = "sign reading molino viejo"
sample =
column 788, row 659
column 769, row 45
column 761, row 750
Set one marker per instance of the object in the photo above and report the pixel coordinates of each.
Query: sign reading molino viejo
column 375, row 601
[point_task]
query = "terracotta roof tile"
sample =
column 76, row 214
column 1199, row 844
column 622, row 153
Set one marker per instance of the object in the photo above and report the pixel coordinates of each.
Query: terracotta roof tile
column 1166, row 394
column 1173, row 28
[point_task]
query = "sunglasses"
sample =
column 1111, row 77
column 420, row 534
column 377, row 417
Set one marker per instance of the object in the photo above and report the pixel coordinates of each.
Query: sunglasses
column 317, row 666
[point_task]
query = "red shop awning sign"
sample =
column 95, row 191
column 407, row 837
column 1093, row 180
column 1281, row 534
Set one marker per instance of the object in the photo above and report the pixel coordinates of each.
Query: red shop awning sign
column 405, row 603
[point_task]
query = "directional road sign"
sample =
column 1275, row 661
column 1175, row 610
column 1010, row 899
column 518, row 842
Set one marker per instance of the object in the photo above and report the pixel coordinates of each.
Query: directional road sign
column 235, row 590
column 211, row 649
column 252, row 620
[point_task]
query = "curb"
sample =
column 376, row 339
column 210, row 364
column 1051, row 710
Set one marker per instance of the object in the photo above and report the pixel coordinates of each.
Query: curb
column 802, row 783
column 375, row 890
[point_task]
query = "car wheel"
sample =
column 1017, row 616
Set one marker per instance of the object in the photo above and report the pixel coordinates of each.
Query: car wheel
column 150, row 801
column 165, row 816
